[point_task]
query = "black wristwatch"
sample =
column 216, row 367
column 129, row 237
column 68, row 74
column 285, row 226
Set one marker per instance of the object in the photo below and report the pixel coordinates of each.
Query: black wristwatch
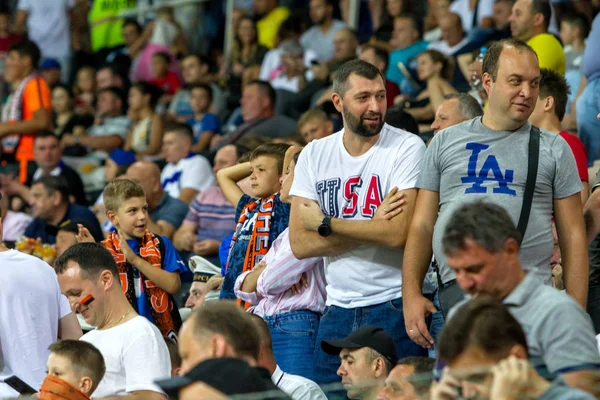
column 325, row 227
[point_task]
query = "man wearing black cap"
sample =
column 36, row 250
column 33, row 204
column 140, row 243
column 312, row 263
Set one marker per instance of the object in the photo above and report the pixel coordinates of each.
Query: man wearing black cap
column 367, row 356
column 201, row 382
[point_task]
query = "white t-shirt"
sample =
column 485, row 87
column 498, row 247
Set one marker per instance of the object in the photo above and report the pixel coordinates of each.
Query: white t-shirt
column 48, row 25
column 135, row 355
column 30, row 307
column 352, row 188
column 193, row 172
column 485, row 8
column 271, row 67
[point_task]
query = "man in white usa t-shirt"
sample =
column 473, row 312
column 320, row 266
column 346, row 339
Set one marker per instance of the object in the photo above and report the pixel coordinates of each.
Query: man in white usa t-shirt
column 340, row 182
column 134, row 351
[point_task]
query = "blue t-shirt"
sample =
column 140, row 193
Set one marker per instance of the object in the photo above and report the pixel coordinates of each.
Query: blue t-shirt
column 171, row 262
column 279, row 221
column 209, row 122
column 405, row 56
column 38, row 228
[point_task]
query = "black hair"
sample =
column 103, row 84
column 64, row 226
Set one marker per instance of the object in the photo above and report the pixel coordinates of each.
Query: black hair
column 147, row 88
column 204, row 87
column 92, row 258
column 55, row 184
column 165, row 57
column 266, row 89
column 27, row 48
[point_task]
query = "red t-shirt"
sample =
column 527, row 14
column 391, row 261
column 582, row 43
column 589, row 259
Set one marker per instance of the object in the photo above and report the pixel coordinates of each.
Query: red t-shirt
column 392, row 91
column 169, row 84
column 581, row 157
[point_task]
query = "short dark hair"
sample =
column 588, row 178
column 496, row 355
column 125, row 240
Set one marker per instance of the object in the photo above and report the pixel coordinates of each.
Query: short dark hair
column 417, row 22
column 487, row 224
column 296, row 157
column 483, row 323
column 147, row 88
column 84, row 358
column 115, row 91
column 92, row 258
column 543, row 7
column 173, row 352
column 226, row 318
column 555, row 85
column 205, row 87
column 55, row 184
column 134, row 23
column 381, row 54
column 119, row 190
column 492, row 55
column 66, row 88
column 202, row 59
column 578, row 20
column 357, row 67
column 262, row 328
column 27, row 48
column 180, row 129
column 423, row 373
column 45, row 134
column 266, row 88
column 468, row 106
column 274, row 150
column 165, row 56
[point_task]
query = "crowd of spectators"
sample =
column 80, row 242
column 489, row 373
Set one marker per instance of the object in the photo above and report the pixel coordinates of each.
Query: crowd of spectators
column 402, row 209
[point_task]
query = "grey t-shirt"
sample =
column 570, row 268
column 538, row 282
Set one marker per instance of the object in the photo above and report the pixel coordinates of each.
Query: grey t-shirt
column 559, row 390
column 559, row 333
column 170, row 210
column 470, row 162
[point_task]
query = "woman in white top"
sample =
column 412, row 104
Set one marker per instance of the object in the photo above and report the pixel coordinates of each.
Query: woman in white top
column 145, row 136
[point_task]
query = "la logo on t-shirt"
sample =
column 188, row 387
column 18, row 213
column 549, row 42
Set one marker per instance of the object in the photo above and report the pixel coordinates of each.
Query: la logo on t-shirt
column 353, row 198
column 478, row 178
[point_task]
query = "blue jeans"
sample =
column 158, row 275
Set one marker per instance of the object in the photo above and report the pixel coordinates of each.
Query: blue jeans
column 337, row 323
column 588, row 126
column 294, row 336
column 437, row 324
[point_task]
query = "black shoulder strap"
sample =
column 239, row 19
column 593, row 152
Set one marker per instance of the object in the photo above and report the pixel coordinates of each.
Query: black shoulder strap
column 475, row 15
column 532, row 169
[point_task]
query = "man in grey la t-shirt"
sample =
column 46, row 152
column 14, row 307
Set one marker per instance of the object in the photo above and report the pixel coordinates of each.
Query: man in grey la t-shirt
column 487, row 159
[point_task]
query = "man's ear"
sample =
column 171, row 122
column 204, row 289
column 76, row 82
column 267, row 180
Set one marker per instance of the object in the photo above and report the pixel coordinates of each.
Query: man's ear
column 487, row 81
column 337, row 102
column 107, row 279
column 379, row 368
column 518, row 351
column 548, row 103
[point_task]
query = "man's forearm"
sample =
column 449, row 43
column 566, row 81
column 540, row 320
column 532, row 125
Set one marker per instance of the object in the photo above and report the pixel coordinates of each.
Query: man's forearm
column 104, row 143
column 21, row 127
column 307, row 244
column 376, row 232
column 575, row 266
column 417, row 257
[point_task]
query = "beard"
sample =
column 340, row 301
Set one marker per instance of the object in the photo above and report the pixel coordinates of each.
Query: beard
column 357, row 125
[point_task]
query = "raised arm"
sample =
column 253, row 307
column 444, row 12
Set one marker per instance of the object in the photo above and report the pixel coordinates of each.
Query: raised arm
column 228, row 178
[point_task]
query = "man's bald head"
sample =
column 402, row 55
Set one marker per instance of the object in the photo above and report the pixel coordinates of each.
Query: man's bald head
column 451, row 27
column 345, row 43
column 147, row 174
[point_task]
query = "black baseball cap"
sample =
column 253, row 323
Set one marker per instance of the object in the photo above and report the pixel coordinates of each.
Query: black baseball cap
column 230, row 376
column 365, row 336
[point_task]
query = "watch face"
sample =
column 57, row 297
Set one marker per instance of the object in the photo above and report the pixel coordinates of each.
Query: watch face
column 324, row 230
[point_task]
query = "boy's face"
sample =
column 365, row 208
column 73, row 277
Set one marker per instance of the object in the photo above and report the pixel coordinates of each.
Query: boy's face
column 159, row 67
column 130, row 219
column 199, row 100
column 567, row 33
column 60, row 367
column 265, row 176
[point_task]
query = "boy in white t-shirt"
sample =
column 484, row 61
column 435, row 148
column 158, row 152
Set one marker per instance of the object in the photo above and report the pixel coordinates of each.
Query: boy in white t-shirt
column 134, row 351
column 186, row 173
column 340, row 182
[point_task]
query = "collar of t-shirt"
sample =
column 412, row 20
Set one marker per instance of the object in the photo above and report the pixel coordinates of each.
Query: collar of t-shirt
column 523, row 292
column 55, row 172
column 277, row 376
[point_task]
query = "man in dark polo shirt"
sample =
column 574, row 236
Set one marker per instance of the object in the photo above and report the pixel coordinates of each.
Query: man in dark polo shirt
column 49, row 201
column 47, row 162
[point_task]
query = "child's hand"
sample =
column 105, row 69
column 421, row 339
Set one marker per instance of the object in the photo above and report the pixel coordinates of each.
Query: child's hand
column 125, row 249
column 390, row 206
column 84, row 235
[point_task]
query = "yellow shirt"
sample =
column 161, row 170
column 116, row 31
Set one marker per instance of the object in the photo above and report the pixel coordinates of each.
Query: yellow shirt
column 106, row 32
column 268, row 26
column 549, row 51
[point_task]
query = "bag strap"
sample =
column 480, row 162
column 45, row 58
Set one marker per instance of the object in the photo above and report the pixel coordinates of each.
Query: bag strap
column 532, row 169
column 475, row 15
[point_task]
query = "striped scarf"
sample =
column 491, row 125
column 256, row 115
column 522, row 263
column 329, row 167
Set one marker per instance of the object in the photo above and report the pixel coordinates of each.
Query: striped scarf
column 162, row 306
column 259, row 240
